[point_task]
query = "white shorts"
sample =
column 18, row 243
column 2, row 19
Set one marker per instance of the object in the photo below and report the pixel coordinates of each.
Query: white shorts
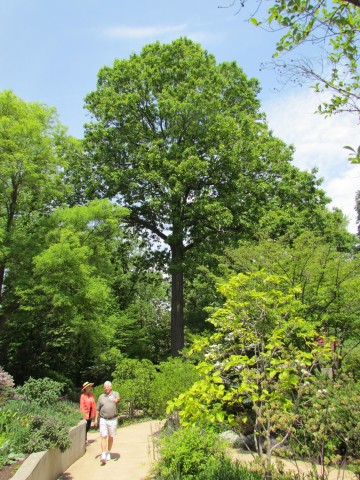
column 108, row 427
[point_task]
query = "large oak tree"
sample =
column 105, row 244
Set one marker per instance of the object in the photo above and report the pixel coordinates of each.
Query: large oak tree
column 180, row 141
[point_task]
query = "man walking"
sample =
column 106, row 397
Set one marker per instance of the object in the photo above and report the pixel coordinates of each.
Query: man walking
column 106, row 410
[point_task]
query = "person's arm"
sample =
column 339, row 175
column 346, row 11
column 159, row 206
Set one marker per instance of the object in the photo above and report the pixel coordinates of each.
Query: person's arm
column 96, row 421
column 93, row 408
column 83, row 405
column 97, row 412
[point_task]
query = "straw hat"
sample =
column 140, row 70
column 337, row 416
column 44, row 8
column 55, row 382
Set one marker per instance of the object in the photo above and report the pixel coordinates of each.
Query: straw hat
column 85, row 385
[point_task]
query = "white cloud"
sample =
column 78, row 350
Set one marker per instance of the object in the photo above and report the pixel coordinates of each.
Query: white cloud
column 319, row 142
column 156, row 32
column 343, row 190
column 123, row 31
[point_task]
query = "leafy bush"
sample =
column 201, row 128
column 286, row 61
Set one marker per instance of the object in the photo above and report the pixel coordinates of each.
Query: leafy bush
column 172, row 378
column 186, row 452
column 225, row 469
column 351, row 364
column 47, row 432
column 135, row 377
column 6, row 385
column 328, row 428
column 27, row 427
column 42, row 391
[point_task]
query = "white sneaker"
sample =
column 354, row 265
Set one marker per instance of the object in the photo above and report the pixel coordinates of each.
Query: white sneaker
column 108, row 456
column 103, row 458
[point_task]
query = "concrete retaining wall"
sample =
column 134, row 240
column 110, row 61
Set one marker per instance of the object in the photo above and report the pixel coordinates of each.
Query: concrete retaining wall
column 49, row 465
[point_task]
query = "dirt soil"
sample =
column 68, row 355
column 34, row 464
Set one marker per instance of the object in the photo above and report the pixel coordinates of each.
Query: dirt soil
column 9, row 470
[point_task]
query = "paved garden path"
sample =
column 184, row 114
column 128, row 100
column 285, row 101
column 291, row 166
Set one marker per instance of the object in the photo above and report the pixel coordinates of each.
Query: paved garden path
column 133, row 453
column 299, row 466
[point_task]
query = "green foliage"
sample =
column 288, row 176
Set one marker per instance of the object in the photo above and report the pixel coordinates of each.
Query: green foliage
column 171, row 378
column 6, row 385
column 264, row 368
column 351, row 363
column 31, row 186
column 135, row 378
column 143, row 327
column 355, row 154
column 336, row 26
column 106, row 364
column 185, row 453
column 31, row 180
column 29, row 426
column 258, row 364
column 7, row 455
column 328, row 429
column 225, row 469
column 327, row 272
column 41, row 391
column 65, row 306
column 181, row 141
column 47, row 432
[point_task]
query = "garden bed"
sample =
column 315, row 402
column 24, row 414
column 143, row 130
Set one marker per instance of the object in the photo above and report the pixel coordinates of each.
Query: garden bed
column 9, row 471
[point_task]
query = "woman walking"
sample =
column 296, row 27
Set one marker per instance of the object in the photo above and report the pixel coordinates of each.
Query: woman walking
column 87, row 406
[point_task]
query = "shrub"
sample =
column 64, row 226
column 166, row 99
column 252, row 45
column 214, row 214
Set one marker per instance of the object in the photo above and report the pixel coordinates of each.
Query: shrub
column 225, row 469
column 28, row 427
column 135, row 378
column 172, row 378
column 328, row 428
column 6, row 385
column 186, row 452
column 47, row 432
column 42, row 391
column 351, row 364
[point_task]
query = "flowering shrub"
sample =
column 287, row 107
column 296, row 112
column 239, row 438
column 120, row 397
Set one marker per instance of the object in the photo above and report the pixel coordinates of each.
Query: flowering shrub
column 6, row 384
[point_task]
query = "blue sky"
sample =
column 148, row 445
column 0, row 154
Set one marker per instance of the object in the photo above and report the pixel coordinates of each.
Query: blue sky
column 52, row 51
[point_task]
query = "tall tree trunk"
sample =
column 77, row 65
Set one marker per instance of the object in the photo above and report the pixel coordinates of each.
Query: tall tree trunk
column 177, row 313
column 177, row 299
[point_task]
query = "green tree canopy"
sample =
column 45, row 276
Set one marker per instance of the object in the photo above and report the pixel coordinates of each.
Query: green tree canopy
column 32, row 144
column 180, row 141
column 63, row 320
column 328, row 281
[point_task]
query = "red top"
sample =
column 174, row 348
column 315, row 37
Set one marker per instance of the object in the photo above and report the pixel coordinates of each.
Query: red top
column 87, row 405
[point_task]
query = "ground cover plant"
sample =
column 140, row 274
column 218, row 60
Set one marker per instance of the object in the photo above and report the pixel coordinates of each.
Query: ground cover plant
column 35, row 417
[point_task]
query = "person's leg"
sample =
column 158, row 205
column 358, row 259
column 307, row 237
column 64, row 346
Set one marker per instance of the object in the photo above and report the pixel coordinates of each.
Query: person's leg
column 110, row 443
column 104, row 444
column 104, row 439
column 88, row 424
column 112, row 427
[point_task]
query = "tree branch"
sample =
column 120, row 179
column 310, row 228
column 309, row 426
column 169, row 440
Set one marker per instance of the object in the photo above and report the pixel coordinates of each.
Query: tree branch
column 134, row 219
